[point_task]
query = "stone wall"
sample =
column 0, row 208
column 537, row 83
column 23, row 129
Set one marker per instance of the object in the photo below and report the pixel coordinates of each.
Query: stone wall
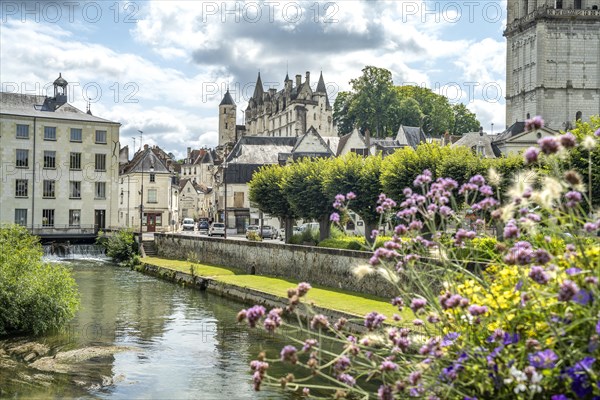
column 319, row 266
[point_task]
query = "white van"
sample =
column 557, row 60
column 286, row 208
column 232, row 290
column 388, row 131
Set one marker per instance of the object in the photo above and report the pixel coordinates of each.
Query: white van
column 188, row 224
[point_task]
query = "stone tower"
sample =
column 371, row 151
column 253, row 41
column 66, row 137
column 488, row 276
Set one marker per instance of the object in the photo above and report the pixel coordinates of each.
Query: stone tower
column 552, row 61
column 227, row 119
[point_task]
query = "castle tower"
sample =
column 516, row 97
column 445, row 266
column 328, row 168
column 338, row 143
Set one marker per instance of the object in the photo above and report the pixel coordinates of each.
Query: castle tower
column 552, row 61
column 227, row 119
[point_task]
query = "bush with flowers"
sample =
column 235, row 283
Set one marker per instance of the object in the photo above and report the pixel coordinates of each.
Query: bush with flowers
column 513, row 318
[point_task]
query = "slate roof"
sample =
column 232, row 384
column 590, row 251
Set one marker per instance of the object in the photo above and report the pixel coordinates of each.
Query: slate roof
column 513, row 130
column 472, row 139
column 227, row 99
column 311, row 132
column 28, row 105
column 146, row 158
column 410, row 136
column 197, row 186
column 260, row 149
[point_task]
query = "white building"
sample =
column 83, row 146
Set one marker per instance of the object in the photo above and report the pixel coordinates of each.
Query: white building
column 59, row 165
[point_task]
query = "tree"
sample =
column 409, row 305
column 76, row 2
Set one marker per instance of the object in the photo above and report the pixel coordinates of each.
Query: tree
column 409, row 113
column 438, row 114
column 304, row 190
column 587, row 162
column 266, row 191
column 343, row 120
column 373, row 100
column 353, row 173
column 464, row 120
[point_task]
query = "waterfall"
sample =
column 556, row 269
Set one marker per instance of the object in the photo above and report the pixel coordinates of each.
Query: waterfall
column 67, row 251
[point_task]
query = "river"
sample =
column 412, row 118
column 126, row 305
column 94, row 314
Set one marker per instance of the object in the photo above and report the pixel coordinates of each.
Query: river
column 180, row 343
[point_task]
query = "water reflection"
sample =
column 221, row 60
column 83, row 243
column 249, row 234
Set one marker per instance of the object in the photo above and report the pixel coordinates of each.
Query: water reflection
column 184, row 343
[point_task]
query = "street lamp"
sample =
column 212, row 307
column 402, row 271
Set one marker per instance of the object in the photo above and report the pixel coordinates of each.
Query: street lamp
column 225, row 197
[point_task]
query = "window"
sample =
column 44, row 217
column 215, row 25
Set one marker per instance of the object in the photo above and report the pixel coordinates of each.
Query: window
column 100, row 192
column 74, row 217
column 74, row 189
column 49, row 133
column 48, row 191
column 578, row 4
column 101, row 137
column 21, row 216
column 100, row 164
column 22, row 158
column 23, row 131
column 49, row 159
column 152, row 196
column 559, row 4
column 152, row 177
column 48, row 218
column 76, row 135
column 578, row 116
column 75, row 161
column 21, row 187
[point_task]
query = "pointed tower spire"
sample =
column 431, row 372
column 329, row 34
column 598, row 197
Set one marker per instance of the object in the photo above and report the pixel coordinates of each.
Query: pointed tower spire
column 227, row 99
column 321, row 88
column 258, row 89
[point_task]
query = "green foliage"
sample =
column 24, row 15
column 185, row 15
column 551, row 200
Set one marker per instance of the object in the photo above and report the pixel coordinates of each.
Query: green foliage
column 346, row 243
column 579, row 158
column 34, row 296
column 341, row 116
column 481, row 250
column 307, row 237
column 409, row 113
column 438, row 113
column 254, row 236
column 464, row 120
column 266, row 191
column 120, row 246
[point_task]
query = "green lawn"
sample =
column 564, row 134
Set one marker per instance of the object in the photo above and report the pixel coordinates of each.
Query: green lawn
column 349, row 302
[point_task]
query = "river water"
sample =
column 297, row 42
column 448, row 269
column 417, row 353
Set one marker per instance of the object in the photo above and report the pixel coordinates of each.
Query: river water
column 183, row 344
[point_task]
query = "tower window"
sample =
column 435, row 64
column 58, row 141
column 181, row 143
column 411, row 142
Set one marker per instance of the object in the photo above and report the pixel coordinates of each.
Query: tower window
column 578, row 4
column 578, row 116
column 594, row 7
column 559, row 4
column 525, row 7
column 224, row 111
column 225, row 125
column 528, row 116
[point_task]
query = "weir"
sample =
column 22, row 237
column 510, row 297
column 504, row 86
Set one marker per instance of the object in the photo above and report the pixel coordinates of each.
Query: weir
column 66, row 250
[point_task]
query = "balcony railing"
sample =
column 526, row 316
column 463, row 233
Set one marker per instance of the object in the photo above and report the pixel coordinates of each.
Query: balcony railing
column 42, row 230
column 552, row 13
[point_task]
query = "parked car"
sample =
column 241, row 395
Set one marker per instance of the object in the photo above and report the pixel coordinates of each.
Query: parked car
column 250, row 229
column 267, row 232
column 313, row 226
column 203, row 227
column 217, row 229
column 188, row 224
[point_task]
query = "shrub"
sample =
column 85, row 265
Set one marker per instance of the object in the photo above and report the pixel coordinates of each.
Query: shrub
column 254, row 236
column 347, row 243
column 121, row 246
column 307, row 237
column 35, row 296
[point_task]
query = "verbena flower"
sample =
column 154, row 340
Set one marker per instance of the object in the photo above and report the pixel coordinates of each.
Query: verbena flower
column 545, row 359
column 288, row 353
column 534, row 123
column 568, row 289
column 373, row 320
column 549, row 145
column 531, row 155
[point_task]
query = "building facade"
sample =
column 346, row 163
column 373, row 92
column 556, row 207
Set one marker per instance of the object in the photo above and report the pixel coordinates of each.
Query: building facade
column 149, row 180
column 553, row 61
column 59, row 165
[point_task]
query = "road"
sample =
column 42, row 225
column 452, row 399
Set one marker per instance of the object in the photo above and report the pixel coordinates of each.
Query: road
column 236, row 236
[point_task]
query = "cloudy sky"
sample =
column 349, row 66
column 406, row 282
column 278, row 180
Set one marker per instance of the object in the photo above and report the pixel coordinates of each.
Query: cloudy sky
column 163, row 66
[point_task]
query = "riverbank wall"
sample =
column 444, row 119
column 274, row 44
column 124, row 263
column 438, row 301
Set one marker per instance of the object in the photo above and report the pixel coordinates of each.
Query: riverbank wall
column 247, row 295
column 317, row 265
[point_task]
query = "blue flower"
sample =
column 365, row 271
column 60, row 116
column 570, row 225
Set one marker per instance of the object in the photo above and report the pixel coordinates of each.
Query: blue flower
column 545, row 359
column 579, row 374
column 511, row 339
column 449, row 338
column 583, row 297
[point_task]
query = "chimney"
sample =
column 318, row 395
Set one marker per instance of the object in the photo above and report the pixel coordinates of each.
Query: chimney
column 189, row 152
column 145, row 147
column 308, row 78
column 298, row 80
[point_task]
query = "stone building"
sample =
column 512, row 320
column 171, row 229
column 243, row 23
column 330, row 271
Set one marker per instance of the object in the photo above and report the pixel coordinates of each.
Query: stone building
column 59, row 165
column 149, row 179
column 289, row 112
column 553, row 61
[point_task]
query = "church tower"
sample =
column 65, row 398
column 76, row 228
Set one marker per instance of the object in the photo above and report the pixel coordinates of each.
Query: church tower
column 552, row 61
column 227, row 119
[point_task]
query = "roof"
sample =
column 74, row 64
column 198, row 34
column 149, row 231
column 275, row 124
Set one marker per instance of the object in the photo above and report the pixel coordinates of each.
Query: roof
column 60, row 81
column 227, row 100
column 513, row 130
column 144, row 160
column 304, row 139
column 474, row 139
column 28, row 105
column 260, row 149
column 258, row 90
column 344, row 139
column 197, row 186
column 410, row 136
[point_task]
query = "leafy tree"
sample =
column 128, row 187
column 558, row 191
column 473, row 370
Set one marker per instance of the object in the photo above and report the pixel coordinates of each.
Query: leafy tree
column 438, row 113
column 353, row 173
column 343, row 120
column 34, row 296
column 266, row 191
column 120, row 247
column 304, row 190
column 409, row 113
column 373, row 98
column 464, row 120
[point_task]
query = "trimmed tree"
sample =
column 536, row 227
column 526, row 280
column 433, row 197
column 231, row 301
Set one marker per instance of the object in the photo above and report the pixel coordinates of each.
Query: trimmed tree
column 266, row 191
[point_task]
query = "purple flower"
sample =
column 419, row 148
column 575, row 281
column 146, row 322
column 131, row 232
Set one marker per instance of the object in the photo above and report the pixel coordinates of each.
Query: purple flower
column 531, row 155
column 559, row 397
column 414, row 377
column 549, row 145
column 579, row 374
column 511, row 339
column 486, row 190
column 537, row 274
column 253, row 314
column 534, row 123
column 477, row 180
column 568, row 140
column 545, row 359
column 388, row 366
column 423, row 179
column 288, row 353
column 342, row 364
column 597, row 133
column 573, row 198
column 573, row 271
column 542, row 256
column 446, row 211
column 309, row 344
column 273, row 320
column 449, row 339
column 303, row 288
column 583, row 297
column 334, row 217
column 385, row 393
column 347, row 379
column 350, row 196
column 373, row 320
column 319, row 321
column 590, row 227
column 398, row 302
column 568, row 289
column 417, row 304
column 511, row 230
column 476, row 310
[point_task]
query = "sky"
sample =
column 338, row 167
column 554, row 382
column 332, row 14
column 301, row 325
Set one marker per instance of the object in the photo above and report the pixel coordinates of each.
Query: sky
column 162, row 67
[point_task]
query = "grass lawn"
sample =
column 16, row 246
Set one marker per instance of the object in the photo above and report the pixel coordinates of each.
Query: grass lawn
column 335, row 299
